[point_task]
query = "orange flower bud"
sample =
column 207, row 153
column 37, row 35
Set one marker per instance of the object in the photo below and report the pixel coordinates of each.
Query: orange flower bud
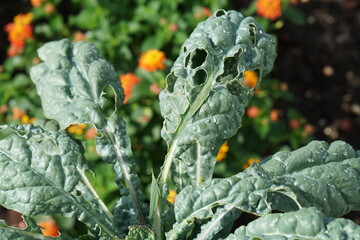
column 171, row 196
column 294, row 124
column 249, row 162
column 253, row 112
column 222, row 154
column 274, row 115
column 49, row 228
column 250, row 79
column 90, row 133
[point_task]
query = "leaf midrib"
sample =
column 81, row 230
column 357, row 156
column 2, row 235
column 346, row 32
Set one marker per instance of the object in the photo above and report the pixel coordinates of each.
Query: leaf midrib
column 69, row 195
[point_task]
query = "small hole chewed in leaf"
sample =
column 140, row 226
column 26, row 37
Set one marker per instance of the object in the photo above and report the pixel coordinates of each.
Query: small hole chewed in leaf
column 171, row 79
column 252, row 31
column 200, row 77
column 187, row 59
column 220, row 13
column 230, row 68
column 198, row 58
column 109, row 104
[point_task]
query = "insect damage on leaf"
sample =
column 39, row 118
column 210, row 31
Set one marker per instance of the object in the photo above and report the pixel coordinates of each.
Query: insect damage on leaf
column 205, row 95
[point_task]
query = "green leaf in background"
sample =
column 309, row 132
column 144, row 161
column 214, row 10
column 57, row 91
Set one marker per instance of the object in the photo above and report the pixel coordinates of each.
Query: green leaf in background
column 318, row 174
column 71, row 83
column 71, row 80
column 43, row 174
column 204, row 98
column 306, row 223
column 140, row 232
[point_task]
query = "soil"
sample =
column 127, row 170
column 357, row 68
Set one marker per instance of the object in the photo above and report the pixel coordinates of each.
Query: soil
column 320, row 62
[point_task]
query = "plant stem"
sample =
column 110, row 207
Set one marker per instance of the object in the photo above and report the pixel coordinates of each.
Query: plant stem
column 109, row 135
column 93, row 192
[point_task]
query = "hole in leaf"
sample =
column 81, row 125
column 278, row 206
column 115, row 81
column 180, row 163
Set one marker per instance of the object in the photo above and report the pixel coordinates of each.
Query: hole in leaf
column 187, row 60
column 12, row 218
column 244, row 220
column 170, row 81
column 184, row 49
column 78, row 193
column 108, row 100
column 199, row 77
column 198, row 58
column 220, row 13
column 252, row 31
column 230, row 68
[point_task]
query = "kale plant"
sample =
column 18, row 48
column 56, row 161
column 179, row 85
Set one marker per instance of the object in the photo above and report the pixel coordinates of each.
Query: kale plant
column 43, row 168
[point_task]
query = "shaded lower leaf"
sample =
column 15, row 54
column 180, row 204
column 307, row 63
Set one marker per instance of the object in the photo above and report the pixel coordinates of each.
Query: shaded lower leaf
column 306, row 223
column 290, row 182
column 43, row 174
column 31, row 232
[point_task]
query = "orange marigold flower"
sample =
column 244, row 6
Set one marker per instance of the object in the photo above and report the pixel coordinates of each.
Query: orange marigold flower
column 274, row 115
column 222, row 154
column 77, row 129
column 36, row 3
column 128, row 82
column 249, row 162
column 18, row 32
column 171, row 196
column 250, row 78
column 270, row 9
column 253, row 112
column 49, row 228
column 152, row 60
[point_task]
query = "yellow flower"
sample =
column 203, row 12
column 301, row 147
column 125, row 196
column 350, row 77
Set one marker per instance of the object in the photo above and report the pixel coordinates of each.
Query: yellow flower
column 222, row 152
column 77, row 129
column 270, row 9
column 171, row 196
column 249, row 162
column 152, row 60
column 250, row 79
column 25, row 119
column 128, row 82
